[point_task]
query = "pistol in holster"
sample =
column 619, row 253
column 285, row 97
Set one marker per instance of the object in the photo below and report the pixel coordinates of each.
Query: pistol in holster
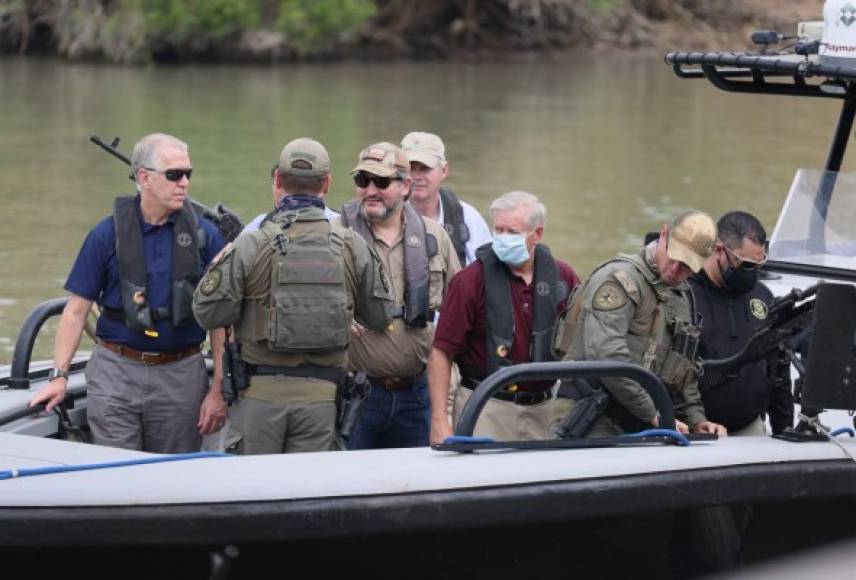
column 590, row 403
column 235, row 375
column 350, row 396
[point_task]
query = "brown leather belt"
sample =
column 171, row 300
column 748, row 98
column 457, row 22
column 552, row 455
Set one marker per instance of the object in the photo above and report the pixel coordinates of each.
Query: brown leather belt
column 149, row 358
column 394, row 383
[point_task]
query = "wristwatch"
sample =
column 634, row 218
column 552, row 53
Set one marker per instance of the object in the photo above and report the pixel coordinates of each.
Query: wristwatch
column 57, row 373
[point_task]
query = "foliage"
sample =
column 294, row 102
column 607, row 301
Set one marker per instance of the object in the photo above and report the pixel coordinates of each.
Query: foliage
column 309, row 23
column 197, row 21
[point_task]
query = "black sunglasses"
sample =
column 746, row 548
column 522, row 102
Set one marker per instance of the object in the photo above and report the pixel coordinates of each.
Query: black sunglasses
column 742, row 263
column 363, row 179
column 172, row 174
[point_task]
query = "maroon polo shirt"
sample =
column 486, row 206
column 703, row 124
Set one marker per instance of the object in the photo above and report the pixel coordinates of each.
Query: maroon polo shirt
column 462, row 327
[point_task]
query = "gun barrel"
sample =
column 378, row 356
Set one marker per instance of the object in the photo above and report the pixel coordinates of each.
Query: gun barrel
column 110, row 149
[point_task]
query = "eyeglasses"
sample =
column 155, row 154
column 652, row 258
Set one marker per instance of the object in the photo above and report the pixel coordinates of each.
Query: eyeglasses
column 172, row 174
column 743, row 263
column 362, row 179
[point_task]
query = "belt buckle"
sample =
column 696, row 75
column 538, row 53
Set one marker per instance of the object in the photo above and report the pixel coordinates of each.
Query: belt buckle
column 145, row 355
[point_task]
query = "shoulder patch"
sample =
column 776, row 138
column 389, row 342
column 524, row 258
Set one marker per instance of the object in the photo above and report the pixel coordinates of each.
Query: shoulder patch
column 609, row 296
column 209, row 284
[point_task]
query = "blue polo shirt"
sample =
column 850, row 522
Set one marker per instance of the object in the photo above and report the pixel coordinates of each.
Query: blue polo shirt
column 95, row 276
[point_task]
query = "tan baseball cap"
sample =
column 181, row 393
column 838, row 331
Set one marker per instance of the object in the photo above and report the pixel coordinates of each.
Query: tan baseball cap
column 384, row 160
column 425, row 148
column 691, row 238
column 304, row 157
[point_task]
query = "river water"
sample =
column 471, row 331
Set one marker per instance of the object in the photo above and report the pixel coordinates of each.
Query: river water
column 613, row 145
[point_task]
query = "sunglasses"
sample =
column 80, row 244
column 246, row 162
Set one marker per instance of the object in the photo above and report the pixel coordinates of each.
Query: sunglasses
column 172, row 174
column 742, row 263
column 363, row 179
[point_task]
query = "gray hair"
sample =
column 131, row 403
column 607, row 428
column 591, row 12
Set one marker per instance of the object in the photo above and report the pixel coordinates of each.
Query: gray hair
column 147, row 151
column 514, row 199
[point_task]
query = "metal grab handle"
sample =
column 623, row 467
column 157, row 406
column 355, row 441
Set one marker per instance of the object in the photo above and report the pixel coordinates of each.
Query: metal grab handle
column 565, row 370
column 19, row 377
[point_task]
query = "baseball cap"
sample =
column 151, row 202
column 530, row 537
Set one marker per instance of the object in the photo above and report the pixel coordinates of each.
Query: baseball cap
column 383, row 159
column 691, row 238
column 305, row 157
column 425, row 148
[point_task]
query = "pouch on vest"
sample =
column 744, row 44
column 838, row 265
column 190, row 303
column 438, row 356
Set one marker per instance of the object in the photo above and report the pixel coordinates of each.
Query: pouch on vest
column 566, row 325
column 678, row 372
column 308, row 303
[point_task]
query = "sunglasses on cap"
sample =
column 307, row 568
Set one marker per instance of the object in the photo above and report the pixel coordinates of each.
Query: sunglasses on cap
column 172, row 174
column 743, row 263
column 362, row 179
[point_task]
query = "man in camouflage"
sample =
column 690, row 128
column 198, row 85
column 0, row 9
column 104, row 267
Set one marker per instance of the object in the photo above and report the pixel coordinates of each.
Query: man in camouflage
column 638, row 308
column 292, row 289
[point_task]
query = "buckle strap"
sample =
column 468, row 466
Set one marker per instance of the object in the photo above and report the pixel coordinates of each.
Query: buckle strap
column 516, row 397
column 149, row 357
column 330, row 374
column 394, row 383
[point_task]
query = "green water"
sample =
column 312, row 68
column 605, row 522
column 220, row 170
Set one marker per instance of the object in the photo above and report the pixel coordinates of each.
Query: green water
column 614, row 146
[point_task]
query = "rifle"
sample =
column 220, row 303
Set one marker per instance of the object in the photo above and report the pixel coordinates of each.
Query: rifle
column 227, row 221
column 788, row 316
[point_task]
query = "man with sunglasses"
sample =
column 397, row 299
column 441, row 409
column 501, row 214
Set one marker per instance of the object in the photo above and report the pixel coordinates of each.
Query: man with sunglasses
column 733, row 304
column 147, row 384
column 500, row 311
column 638, row 308
column 292, row 289
column 420, row 260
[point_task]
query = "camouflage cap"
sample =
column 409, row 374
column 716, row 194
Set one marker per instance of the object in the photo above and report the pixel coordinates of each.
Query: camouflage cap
column 425, row 148
column 384, row 160
column 691, row 238
column 304, row 157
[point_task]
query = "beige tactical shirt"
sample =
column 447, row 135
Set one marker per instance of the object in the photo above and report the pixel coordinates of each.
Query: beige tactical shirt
column 399, row 351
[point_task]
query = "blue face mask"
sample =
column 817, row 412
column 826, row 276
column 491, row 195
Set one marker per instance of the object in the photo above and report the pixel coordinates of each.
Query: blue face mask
column 510, row 248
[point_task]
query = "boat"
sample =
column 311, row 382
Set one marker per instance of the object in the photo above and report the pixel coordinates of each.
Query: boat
column 468, row 508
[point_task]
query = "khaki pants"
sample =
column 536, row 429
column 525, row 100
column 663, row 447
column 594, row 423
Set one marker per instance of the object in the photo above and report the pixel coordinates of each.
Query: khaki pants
column 278, row 414
column 755, row 428
column 507, row 421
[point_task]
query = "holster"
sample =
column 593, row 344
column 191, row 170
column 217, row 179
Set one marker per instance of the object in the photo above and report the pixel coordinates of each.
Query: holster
column 590, row 403
column 350, row 396
column 235, row 376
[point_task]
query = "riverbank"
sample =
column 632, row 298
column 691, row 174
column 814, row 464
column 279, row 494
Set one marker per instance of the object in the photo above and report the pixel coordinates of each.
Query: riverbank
column 139, row 31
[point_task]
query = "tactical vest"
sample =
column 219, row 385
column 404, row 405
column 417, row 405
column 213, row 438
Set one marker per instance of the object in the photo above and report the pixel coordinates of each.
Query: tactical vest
column 662, row 337
column 550, row 290
column 455, row 226
column 419, row 247
column 308, row 307
column 189, row 239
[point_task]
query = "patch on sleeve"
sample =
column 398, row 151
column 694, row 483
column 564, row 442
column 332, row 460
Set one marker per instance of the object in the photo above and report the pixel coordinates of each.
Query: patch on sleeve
column 610, row 296
column 222, row 255
column 627, row 283
column 209, row 284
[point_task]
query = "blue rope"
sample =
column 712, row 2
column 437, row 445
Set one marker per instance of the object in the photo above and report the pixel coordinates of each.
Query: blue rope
column 28, row 471
column 468, row 439
column 678, row 438
column 841, row 430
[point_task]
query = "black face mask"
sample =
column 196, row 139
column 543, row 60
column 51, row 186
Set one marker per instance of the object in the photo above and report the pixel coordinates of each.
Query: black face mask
column 739, row 281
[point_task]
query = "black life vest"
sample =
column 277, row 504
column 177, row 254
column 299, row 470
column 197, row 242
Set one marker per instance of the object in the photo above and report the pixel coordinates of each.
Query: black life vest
column 187, row 266
column 419, row 247
column 550, row 291
column 456, row 227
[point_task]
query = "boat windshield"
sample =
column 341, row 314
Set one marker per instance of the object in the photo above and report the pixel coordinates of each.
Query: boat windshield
column 813, row 232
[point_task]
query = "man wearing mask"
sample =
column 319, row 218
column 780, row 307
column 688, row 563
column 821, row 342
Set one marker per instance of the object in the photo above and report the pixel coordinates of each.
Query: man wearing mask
column 733, row 305
column 482, row 334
